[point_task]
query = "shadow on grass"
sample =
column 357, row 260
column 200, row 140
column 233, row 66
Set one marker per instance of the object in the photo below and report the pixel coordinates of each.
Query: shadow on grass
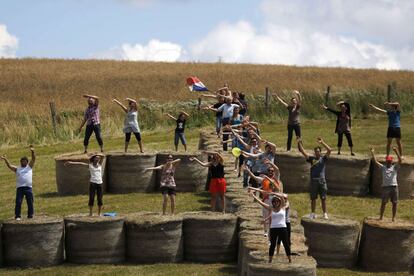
column 52, row 195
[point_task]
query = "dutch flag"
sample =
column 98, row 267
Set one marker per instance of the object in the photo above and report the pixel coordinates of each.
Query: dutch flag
column 194, row 84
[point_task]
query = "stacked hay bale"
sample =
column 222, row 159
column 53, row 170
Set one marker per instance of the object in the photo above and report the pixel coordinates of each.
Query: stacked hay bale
column 386, row 246
column 74, row 179
column 210, row 237
column 333, row 242
column 405, row 179
column 152, row 238
column 95, row 240
column 33, row 242
column 297, row 182
column 348, row 175
column 126, row 172
column 189, row 177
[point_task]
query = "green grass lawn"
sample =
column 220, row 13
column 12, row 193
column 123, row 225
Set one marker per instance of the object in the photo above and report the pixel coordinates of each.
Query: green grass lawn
column 365, row 133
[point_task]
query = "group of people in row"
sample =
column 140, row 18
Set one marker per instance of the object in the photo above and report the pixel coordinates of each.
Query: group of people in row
column 256, row 160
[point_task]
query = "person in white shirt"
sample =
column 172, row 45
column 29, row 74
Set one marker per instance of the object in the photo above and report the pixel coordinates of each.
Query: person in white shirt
column 24, row 182
column 389, row 181
column 95, row 185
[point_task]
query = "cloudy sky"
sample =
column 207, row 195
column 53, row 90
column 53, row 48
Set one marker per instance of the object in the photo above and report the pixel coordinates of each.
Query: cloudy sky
column 346, row 33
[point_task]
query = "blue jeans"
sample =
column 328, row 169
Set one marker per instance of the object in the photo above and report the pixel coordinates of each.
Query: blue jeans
column 179, row 136
column 218, row 124
column 20, row 193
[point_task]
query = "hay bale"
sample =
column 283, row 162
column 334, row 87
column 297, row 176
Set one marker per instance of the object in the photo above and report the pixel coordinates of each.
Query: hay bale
column 298, row 244
column 1, row 249
column 33, row 242
column 126, row 172
column 297, row 182
column 300, row 266
column 74, row 179
column 386, row 246
column 95, row 240
column 250, row 241
column 333, row 242
column 189, row 177
column 405, row 180
column 210, row 237
column 154, row 239
column 348, row 175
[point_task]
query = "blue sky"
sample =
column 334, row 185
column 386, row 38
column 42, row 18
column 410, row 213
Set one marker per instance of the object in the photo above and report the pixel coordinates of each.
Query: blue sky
column 351, row 33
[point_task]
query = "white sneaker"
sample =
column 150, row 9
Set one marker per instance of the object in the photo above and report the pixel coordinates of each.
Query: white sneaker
column 18, row 219
column 325, row 215
column 312, row 216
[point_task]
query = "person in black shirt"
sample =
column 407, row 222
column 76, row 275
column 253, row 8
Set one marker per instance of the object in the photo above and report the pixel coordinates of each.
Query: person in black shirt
column 179, row 130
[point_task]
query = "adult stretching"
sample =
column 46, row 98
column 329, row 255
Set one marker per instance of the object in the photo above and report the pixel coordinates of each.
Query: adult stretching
column 92, row 120
column 131, row 122
column 278, row 229
column 167, row 185
column 343, row 124
column 394, row 125
column 24, row 183
column 293, row 119
column 95, row 182
column 317, row 171
column 389, row 181
column 179, row 129
column 218, row 182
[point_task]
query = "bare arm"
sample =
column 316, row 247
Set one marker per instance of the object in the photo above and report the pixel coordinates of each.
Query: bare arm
column 206, row 164
column 154, row 168
column 10, row 166
column 241, row 140
column 256, row 178
column 90, row 96
column 374, row 158
column 209, row 96
column 298, row 96
column 185, row 113
column 33, row 159
column 120, row 104
column 171, row 116
column 260, row 201
column 82, row 124
column 273, row 165
column 325, row 145
column 395, row 104
column 176, row 162
column 377, row 108
column 301, row 149
column 67, row 163
column 280, row 100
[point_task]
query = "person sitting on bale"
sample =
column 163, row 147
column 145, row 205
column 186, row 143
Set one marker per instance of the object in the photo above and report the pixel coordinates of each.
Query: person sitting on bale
column 318, row 184
column 95, row 182
column 389, row 181
column 24, row 183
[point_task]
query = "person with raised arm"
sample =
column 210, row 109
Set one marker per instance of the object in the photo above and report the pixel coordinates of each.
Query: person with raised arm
column 131, row 122
column 92, row 119
column 343, row 124
column 167, row 184
column 95, row 182
column 179, row 129
column 318, row 184
column 219, row 114
column 277, row 217
column 24, row 183
column 293, row 119
column 393, row 111
column 217, row 186
column 389, row 181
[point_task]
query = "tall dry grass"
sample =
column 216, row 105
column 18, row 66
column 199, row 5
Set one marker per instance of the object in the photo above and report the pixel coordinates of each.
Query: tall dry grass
column 28, row 85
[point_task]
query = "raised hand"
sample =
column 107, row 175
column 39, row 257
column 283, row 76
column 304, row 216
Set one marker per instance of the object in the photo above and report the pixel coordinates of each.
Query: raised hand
column 191, row 159
column 3, row 157
column 67, row 163
column 324, row 106
column 31, row 147
column 319, row 140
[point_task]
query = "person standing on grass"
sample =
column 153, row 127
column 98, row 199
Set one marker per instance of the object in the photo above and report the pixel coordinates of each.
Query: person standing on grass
column 277, row 217
column 217, row 186
column 95, row 182
column 179, row 129
column 293, row 118
column 394, row 125
column 343, row 124
column 318, row 184
column 24, row 183
column 167, row 184
column 219, row 114
column 228, row 109
column 131, row 122
column 389, row 181
column 92, row 120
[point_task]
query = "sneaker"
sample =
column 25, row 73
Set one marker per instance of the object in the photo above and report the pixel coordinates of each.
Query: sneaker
column 18, row 219
column 312, row 216
column 325, row 216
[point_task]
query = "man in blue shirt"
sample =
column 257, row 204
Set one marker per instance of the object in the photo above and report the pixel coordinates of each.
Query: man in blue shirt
column 392, row 109
column 318, row 182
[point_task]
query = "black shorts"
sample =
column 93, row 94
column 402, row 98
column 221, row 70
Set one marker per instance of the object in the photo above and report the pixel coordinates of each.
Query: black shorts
column 168, row 190
column 394, row 132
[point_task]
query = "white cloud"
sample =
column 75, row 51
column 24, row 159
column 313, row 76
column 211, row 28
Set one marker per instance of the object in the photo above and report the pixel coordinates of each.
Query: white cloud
column 8, row 43
column 155, row 50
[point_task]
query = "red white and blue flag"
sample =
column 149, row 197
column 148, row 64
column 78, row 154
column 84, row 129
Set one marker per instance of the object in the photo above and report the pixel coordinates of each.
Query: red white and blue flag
column 194, row 84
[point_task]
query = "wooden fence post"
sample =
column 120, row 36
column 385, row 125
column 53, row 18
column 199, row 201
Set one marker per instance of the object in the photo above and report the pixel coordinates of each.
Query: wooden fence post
column 389, row 93
column 267, row 97
column 199, row 104
column 53, row 113
column 328, row 90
